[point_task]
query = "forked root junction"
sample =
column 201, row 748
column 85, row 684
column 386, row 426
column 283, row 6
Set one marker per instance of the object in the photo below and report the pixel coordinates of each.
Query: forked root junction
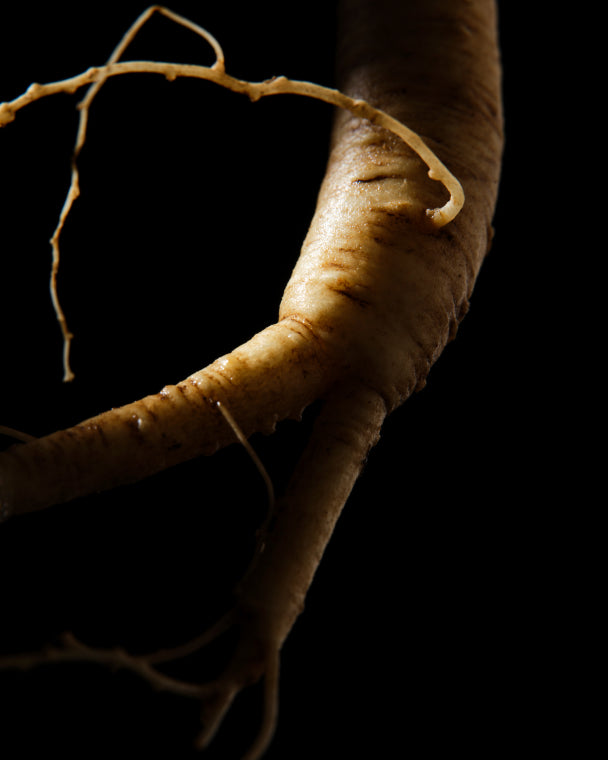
column 293, row 538
column 271, row 594
column 374, row 298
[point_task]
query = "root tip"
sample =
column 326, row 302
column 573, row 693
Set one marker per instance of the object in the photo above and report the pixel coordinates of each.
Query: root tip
column 7, row 114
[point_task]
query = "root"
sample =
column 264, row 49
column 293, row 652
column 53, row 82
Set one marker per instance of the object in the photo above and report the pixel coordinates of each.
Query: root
column 250, row 450
column 18, row 435
column 74, row 189
column 216, row 697
column 270, row 596
column 283, row 368
column 96, row 77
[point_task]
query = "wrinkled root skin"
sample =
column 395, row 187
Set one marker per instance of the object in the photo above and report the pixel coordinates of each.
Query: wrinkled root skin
column 271, row 594
column 281, row 368
column 374, row 298
column 376, row 293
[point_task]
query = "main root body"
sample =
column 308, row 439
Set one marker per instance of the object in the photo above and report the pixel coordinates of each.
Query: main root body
column 382, row 282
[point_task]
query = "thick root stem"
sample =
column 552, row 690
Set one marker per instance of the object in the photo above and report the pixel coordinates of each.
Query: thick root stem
column 271, row 595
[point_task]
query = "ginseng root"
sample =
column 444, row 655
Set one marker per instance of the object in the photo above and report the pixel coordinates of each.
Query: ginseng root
column 382, row 282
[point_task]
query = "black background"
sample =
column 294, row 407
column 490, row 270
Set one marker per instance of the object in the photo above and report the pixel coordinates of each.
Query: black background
column 425, row 629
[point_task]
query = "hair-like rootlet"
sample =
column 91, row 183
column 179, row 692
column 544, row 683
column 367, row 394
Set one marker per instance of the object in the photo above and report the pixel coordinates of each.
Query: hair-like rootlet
column 402, row 225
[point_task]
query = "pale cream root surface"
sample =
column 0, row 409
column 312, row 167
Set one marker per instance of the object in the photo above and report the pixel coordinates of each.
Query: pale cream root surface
column 378, row 291
column 273, row 376
column 275, row 587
